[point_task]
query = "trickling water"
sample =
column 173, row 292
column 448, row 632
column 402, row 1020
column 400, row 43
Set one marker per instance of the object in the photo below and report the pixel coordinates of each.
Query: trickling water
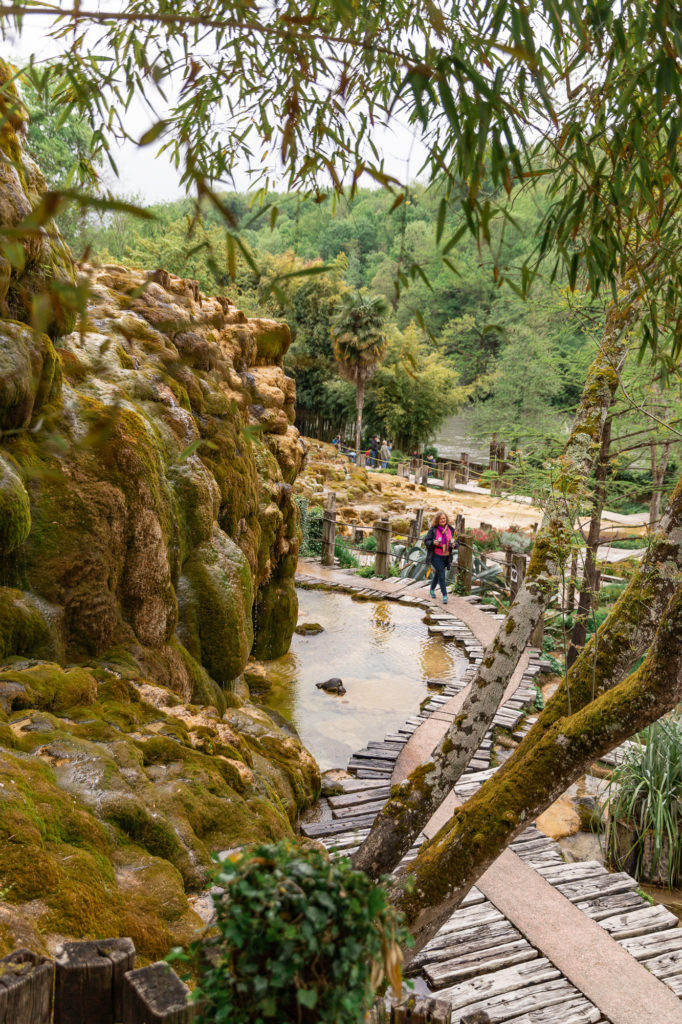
column 384, row 655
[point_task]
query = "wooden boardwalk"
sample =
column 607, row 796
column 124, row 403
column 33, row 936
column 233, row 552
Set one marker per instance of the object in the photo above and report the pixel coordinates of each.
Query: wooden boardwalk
column 571, row 943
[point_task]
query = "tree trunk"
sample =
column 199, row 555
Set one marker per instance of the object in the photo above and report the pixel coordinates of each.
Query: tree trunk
column 419, row 796
column 360, row 404
column 587, row 591
column 658, row 468
column 476, row 834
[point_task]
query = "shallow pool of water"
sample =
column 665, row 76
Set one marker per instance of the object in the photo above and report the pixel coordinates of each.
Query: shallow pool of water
column 384, row 655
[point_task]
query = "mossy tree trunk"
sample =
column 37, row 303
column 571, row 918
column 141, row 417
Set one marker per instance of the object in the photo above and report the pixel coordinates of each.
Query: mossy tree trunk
column 478, row 831
column 414, row 801
column 589, row 584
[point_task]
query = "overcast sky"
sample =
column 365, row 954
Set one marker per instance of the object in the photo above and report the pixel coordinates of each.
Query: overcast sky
column 144, row 173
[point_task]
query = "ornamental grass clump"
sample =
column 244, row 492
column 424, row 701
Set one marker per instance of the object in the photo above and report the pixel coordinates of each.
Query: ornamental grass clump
column 644, row 801
column 298, row 938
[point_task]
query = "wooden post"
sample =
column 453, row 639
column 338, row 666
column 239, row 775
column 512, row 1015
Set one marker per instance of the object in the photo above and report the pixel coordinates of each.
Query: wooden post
column 440, row 469
column 492, row 462
column 155, row 995
column 360, row 459
column 26, row 988
column 464, row 463
column 382, row 558
column 89, row 981
column 459, row 524
column 518, row 571
column 570, row 597
column 329, row 530
column 507, row 565
column 421, row 1010
column 415, row 527
column 425, row 474
column 465, row 563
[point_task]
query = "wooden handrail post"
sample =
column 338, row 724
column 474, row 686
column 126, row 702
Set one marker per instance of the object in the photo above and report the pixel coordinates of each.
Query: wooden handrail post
column 465, row 563
column 89, row 979
column 329, row 530
column 382, row 558
column 518, row 571
column 26, row 988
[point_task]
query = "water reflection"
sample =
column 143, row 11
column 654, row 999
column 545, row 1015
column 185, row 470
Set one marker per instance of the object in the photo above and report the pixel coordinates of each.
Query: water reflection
column 384, row 655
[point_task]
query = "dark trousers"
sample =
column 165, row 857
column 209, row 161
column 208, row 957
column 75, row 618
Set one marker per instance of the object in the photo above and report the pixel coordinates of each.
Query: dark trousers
column 438, row 566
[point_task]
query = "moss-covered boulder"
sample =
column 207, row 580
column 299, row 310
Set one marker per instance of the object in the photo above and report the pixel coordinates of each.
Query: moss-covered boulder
column 15, row 508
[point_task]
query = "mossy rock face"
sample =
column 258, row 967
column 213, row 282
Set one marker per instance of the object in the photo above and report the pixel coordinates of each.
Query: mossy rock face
column 27, row 364
column 15, row 508
column 218, row 606
column 275, row 616
column 140, row 512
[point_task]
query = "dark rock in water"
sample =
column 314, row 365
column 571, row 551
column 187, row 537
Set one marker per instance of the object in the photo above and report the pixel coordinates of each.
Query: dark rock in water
column 309, row 629
column 332, row 686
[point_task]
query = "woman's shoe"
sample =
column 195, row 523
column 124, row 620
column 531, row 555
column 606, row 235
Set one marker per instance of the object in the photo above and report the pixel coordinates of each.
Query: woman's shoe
column 445, row 598
column 432, row 593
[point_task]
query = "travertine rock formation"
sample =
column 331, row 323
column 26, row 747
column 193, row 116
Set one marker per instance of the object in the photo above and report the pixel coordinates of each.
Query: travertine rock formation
column 148, row 540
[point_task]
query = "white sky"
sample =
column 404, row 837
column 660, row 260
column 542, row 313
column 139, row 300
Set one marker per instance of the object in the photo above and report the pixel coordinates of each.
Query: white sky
column 144, row 173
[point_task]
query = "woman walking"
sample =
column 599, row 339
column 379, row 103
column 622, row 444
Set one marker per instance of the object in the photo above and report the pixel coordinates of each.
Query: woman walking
column 440, row 543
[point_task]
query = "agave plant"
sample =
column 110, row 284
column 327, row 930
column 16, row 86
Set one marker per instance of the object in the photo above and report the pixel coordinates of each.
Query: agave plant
column 644, row 800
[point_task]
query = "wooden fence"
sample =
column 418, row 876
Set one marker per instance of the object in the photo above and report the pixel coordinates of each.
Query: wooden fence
column 90, row 983
column 95, row 982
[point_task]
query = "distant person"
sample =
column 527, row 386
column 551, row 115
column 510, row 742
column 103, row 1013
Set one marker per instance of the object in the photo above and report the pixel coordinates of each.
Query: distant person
column 374, row 451
column 336, row 441
column 440, row 544
column 384, row 454
column 430, row 461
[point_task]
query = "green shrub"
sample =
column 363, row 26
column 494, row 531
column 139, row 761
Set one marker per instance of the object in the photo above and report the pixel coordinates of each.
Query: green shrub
column 311, row 527
column 645, row 792
column 369, row 543
column 298, row 940
column 347, row 559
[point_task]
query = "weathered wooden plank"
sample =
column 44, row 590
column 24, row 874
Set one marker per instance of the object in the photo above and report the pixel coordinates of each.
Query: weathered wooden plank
column 353, row 785
column 667, row 965
column 314, row 829
column 372, row 754
column 469, row 917
column 573, row 872
column 25, row 988
column 645, row 921
column 343, row 813
column 369, row 773
column 675, row 983
column 578, row 1010
column 478, row 993
column 606, row 906
column 602, row 885
column 88, row 980
column 448, row 947
column 155, row 995
column 482, row 961
column 645, row 947
column 359, row 797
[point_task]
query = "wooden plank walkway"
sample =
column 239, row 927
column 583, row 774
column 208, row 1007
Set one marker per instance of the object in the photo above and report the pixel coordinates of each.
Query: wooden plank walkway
column 538, row 941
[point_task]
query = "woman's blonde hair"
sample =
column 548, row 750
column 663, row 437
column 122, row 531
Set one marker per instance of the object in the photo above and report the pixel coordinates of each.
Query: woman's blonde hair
column 434, row 521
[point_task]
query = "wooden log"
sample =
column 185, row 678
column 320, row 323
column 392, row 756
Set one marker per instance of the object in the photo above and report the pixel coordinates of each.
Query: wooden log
column 25, row 988
column 382, row 558
column 89, row 980
column 329, row 530
column 155, row 995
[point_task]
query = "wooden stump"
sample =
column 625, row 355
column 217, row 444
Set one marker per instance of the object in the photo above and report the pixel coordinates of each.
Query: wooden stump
column 155, row 995
column 464, row 467
column 25, row 988
column 89, row 980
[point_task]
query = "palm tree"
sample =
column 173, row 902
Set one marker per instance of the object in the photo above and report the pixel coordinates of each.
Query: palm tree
column 359, row 343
